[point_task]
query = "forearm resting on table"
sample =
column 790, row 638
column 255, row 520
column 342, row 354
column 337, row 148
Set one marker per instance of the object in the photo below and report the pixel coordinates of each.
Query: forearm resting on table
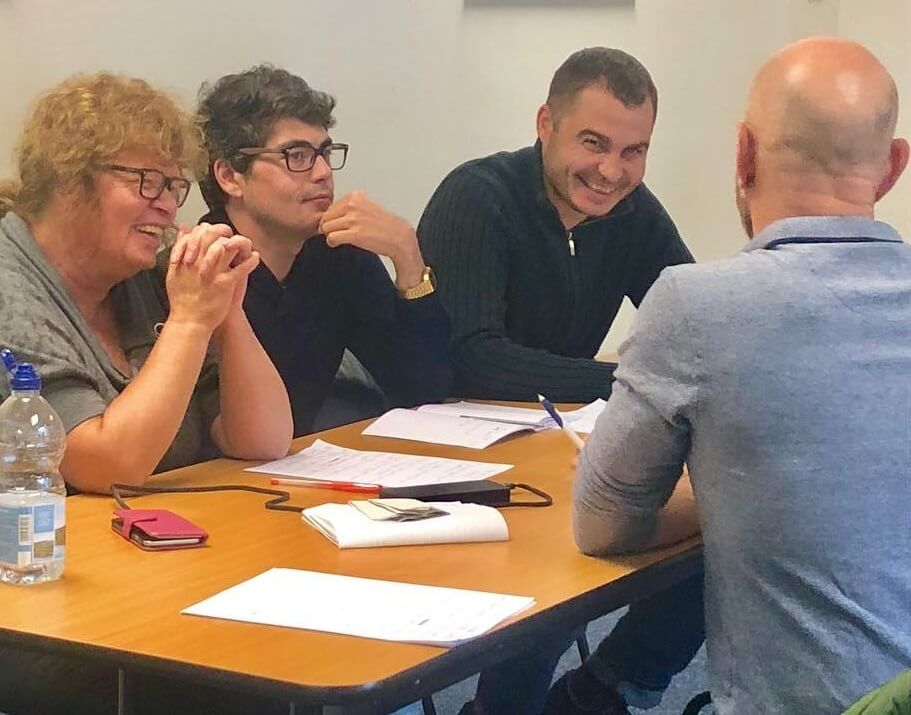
column 255, row 420
column 495, row 367
column 125, row 444
column 604, row 533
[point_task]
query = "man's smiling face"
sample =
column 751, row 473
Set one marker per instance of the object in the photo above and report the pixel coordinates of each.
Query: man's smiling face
column 594, row 152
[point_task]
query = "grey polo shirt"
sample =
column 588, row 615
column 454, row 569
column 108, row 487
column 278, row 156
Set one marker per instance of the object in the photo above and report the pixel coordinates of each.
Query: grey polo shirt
column 782, row 377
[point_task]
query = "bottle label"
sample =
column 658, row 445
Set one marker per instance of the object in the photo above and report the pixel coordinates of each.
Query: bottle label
column 33, row 534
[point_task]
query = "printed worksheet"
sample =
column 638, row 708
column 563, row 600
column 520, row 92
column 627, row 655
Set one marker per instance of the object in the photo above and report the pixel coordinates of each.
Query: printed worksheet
column 326, row 461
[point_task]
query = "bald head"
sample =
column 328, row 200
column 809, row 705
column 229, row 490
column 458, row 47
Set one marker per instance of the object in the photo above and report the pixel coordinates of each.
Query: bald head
column 817, row 139
column 826, row 105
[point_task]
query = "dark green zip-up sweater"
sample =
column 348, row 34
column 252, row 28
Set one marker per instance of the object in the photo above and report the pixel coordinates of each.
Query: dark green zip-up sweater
column 527, row 315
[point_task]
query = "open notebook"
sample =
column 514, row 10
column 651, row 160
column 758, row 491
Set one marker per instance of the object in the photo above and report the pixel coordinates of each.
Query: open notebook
column 581, row 419
column 349, row 528
column 467, row 424
column 443, row 428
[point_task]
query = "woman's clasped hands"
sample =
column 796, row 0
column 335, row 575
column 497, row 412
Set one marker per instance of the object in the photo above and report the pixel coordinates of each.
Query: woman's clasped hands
column 207, row 274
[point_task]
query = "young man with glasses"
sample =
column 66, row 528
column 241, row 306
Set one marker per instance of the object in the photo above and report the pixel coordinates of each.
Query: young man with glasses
column 321, row 287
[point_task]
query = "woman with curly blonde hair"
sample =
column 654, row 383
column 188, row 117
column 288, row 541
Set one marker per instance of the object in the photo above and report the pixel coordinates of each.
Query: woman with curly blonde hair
column 121, row 344
column 151, row 364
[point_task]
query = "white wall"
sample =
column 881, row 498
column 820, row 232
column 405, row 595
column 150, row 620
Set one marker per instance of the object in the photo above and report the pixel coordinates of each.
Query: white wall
column 702, row 55
column 425, row 84
column 885, row 27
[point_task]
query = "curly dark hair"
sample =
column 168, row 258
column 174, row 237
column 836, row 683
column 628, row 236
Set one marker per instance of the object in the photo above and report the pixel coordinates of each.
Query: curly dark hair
column 239, row 110
column 615, row 70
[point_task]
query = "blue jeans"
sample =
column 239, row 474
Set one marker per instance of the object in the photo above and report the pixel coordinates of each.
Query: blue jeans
column 655, row 640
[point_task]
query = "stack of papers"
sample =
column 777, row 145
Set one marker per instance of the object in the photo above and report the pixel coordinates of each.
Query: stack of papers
column 534, row 417
column 349, row 528
column 467, row 424
column 364, row 607
column 453, row 429
column 581, row 419
column 322, row 460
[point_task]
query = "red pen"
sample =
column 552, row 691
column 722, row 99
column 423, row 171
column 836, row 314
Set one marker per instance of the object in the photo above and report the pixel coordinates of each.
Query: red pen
column 337, row 486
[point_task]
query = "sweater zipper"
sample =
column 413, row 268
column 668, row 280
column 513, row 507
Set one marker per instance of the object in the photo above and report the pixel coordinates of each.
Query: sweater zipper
column 572, row 244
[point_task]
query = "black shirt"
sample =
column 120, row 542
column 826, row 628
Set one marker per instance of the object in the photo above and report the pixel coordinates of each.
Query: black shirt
column 527, row 316
column 337, row 298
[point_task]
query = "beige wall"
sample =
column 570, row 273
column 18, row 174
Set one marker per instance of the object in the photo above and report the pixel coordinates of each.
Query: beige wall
column 421, row 84
column 885, row 27
column 703, row 54
column 425, row 84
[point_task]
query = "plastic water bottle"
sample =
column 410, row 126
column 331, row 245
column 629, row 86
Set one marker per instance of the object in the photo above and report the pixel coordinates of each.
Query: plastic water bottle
column 32, row 492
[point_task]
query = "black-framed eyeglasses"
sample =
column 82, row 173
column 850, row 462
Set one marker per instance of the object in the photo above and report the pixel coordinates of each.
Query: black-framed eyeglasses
column 153, row 183
column 302, row 156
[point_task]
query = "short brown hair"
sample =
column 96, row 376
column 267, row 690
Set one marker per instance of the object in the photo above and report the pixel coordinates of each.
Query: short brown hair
column 84, row 123
column 239, row 111
column 619, row 73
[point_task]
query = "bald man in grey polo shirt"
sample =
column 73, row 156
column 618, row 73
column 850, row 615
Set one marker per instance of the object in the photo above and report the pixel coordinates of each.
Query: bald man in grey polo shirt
column 782, row 378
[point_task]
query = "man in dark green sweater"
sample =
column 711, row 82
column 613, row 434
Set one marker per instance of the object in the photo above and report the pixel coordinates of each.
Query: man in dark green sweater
column 534, row 252
column 535, row 249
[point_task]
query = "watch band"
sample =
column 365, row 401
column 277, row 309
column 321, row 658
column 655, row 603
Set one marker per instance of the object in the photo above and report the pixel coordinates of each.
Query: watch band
column 425, row 287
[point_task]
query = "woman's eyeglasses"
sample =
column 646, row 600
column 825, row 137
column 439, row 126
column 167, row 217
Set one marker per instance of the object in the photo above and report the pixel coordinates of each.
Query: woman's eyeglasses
column 153, row 183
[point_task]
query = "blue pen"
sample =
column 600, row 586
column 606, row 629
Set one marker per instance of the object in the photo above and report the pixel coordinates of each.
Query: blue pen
column 567, row 430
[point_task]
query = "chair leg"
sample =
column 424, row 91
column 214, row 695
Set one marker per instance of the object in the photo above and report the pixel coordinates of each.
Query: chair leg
column 582, row 645
column 428, row 705
column 696, row 704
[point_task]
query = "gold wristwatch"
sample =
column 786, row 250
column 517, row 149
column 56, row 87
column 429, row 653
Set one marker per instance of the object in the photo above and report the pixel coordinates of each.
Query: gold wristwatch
column 427, row 286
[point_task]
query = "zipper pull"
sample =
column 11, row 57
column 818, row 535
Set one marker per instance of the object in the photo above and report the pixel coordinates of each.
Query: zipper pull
column 572, row 244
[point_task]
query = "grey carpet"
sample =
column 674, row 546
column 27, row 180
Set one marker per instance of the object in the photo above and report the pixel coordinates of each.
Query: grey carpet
column 687, row 684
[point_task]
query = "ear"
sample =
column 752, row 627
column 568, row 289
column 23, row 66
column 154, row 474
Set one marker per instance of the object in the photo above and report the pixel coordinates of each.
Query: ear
column 746, row 156
column 898, row 160
column 229, row 179
column 544, row 123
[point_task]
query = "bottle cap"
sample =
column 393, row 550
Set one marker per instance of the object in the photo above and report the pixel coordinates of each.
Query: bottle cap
column 22, row 376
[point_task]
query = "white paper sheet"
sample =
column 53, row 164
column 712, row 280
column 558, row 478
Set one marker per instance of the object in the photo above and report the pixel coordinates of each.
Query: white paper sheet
column 349, row 528
column 369, row 608
column 581, row 419
column 584, row 418
column 326, row 461
column 528, row 416
column 449, row 429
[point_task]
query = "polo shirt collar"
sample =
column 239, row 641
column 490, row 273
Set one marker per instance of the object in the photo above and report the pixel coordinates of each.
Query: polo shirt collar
column 823, row 227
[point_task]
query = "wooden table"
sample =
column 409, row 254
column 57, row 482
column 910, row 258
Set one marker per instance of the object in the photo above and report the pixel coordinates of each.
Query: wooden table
column 121, row 604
